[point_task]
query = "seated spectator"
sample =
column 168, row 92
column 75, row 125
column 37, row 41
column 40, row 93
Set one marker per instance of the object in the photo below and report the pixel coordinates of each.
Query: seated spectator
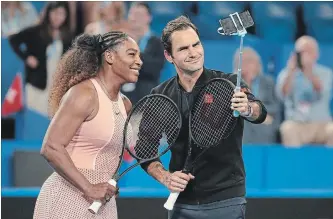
column 112, row 17
column 16, row 16
column 41, row 47
column 151, row 48
column 306, row 89
column 263, row 87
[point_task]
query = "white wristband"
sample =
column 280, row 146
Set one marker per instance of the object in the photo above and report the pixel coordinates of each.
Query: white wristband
column 249, row 112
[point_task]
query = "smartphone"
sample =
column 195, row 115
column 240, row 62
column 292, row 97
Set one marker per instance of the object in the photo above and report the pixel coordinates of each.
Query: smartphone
column 229, row 27
column 299, row 60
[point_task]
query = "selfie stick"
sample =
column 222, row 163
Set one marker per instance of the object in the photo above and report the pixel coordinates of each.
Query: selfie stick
column 241, row 31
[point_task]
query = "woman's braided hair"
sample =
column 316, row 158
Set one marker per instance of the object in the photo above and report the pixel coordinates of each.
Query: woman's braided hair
column 81, row 62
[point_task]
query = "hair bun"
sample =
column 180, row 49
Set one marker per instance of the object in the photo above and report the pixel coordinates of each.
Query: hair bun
column 98, row 43
column 89, row 42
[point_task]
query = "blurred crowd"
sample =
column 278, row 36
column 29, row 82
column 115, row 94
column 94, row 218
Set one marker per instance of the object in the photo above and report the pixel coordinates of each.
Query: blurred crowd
column 55, row 29
column 298, row 103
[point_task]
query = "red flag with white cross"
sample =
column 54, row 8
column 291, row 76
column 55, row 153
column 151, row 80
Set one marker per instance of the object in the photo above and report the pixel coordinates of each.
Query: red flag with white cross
column 13, row 102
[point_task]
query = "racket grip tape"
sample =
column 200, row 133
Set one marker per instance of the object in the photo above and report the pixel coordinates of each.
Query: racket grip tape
column 171, row 200
column 95, row 206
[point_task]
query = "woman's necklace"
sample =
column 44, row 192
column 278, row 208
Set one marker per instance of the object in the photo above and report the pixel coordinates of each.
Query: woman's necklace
column 114, row 103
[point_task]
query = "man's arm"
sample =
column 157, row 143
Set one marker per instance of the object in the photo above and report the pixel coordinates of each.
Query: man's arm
column 157, row 171
column 287, row 82
column 315, row 81
column 250, row 109
column 256, row 110
column 247, row 104
column 280, row 83
column 175, row 182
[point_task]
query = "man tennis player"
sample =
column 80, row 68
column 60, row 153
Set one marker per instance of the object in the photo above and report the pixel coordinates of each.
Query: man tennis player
column 217, row 187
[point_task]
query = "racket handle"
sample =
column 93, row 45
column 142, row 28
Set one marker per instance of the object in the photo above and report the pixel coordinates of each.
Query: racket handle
column 95, row 206
column 235, row 113
column 171, row 200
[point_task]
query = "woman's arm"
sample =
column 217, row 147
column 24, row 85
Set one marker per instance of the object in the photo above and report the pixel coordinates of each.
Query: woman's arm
column 77, row 105
column 16, row 40
column 127, row 104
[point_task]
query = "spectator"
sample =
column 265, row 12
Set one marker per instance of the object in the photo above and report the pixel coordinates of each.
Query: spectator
column 73, row 13
column 41, row 47
column 263, row 87
column 139, row 18
column 306, row 90
column 16, row 16
column 112, row 17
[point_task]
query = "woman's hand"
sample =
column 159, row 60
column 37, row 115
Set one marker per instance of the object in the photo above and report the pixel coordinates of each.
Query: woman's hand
column 32, row 61
column 101, row 191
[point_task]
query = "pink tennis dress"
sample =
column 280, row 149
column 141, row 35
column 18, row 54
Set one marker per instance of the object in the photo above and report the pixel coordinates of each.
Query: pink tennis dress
column 95, row 151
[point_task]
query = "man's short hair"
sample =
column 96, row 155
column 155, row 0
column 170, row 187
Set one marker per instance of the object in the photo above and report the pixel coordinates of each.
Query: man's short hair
column 180, row 23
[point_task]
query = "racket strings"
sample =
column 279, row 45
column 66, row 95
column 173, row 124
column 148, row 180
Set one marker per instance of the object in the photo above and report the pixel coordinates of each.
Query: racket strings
column 212, row 119
column 154, row 125
column 157, row 139
column 159, row 143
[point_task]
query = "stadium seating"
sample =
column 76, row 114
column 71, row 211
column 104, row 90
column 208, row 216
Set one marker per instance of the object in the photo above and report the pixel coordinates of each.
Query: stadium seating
column 209, row 15
column 168, row 71
column 275, row 21
column 318, row 18
column 39, row 5
column 163, row 12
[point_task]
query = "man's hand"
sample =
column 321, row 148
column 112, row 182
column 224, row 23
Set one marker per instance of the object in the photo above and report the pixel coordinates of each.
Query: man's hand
column 240, row 103
column 308, row 72
column 177, row 181
column 292, row 63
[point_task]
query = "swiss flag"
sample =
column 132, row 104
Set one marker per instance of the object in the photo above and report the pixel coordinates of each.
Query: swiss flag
column 14, row 98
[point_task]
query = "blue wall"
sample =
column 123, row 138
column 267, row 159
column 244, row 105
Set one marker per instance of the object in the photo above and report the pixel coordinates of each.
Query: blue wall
column 272, row 171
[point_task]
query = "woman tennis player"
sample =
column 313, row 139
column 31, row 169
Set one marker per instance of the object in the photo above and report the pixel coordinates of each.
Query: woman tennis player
column 84, row 140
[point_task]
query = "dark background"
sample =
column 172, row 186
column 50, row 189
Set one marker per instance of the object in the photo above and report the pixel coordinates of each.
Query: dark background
column 152, row 208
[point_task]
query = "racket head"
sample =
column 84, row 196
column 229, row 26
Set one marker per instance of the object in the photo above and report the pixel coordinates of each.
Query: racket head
column 151, row 128
column 211, row 118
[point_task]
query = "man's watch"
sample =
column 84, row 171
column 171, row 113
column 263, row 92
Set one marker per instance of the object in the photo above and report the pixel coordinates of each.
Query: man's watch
column 249, row 111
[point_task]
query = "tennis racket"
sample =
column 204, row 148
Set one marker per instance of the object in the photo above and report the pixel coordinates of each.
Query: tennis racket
column 211, row 120
column 150, row 129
